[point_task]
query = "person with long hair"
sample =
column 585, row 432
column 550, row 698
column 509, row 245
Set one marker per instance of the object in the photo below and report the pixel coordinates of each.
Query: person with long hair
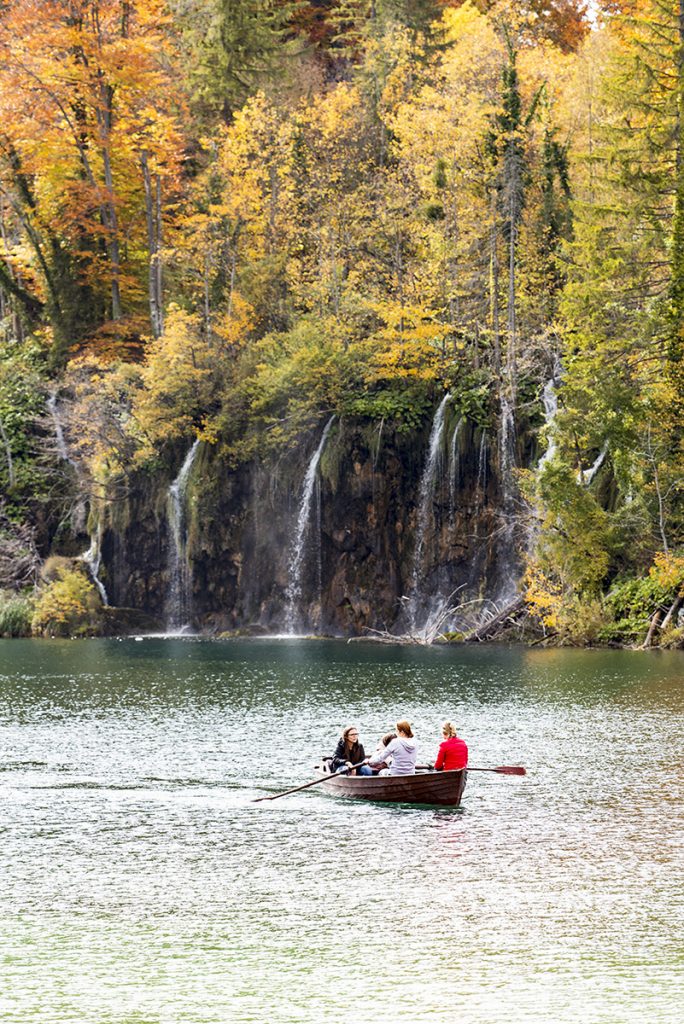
column 350, row 751
column 380, row 749
column 402, row 749
column 453, row 752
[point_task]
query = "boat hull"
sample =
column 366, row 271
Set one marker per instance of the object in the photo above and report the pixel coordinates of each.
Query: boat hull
column 442, row 789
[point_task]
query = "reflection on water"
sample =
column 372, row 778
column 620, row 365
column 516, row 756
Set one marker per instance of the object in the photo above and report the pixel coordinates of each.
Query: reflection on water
column 141, row 883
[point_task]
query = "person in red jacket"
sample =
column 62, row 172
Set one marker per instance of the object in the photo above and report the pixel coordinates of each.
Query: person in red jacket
column 453, row 752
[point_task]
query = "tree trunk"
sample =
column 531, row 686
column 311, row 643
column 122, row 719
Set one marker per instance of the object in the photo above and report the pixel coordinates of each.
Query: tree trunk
column 511, row 357
column 676, row 341
column 652, row 629
column 490, row 629
column 159, row 266
column 8, row 454
column 674, row 610
column 152, row 218
column 494, row 283
column 112, row 225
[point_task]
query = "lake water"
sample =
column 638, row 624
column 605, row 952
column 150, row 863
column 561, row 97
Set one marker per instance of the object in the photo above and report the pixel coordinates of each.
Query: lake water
column 140, row 883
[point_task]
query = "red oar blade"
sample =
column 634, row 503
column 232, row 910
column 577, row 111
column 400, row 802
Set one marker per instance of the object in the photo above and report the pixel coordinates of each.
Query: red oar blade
column 510, row 769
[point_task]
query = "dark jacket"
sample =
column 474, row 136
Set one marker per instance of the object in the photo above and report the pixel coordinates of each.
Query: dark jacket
column 340, row 758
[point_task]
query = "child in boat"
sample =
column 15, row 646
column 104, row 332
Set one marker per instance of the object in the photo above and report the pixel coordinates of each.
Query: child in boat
column 381, row 749
column 453, row 752
column 403, row 751
column 348, row 752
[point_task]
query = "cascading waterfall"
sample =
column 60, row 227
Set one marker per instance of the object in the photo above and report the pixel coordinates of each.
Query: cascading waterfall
column 93, row 558
column 178, row 600
column 550, row 402
column 508, row 567
column 428, row 481
column 78, row 512
column 62, row 449
column 453, row 470
column 507, row 454
column 298, row 547
column 588, row 475
column 482, row 468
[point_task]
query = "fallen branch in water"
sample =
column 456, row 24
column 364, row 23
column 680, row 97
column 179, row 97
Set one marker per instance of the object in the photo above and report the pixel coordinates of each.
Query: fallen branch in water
column 490, row 629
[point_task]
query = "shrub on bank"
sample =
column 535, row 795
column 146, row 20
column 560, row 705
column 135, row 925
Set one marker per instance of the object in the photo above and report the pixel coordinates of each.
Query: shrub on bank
column 581, row 621
column 16, row 611
column 673, row 638
column 67, row 606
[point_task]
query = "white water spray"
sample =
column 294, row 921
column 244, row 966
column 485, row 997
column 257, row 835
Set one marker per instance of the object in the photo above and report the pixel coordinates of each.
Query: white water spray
column 550, row 402
column 178, row 601
column 425, row 509
column 293, row 593
column 508, row 566
column 62, row 449
column 453, row 470
column 588, row 475
column 93, row 558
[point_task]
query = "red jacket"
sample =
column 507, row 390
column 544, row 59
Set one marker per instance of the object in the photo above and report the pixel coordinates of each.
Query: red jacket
column 452, row 754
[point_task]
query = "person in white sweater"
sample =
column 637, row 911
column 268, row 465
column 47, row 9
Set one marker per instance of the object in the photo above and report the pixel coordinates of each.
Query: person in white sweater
column 403, row 750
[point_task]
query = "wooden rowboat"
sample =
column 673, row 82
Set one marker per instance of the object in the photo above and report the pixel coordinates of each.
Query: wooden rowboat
column 443, row 789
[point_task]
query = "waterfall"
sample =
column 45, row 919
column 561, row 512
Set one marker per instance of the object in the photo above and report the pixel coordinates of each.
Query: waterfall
column 92, row 558
column 425, row 510
column 482, row 468
column 293, row 593
column 62, row 449
column 507, row 453
column 78, row 512
column 550, row 401
column 508, row 565
column 590, row 473
column 453, row 470
column 178, row 599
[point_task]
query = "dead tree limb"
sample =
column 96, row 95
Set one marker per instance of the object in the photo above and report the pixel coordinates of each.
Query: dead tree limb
column 488, row 630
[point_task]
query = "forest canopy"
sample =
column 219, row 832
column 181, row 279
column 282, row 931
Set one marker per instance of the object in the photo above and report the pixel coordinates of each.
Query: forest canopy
column 228, row 219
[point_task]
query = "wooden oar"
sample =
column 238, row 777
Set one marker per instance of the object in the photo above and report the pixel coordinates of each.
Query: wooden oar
column 328, row 775
column 503, row 769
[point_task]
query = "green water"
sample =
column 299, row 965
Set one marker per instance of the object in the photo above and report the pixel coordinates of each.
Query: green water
column 140, row 883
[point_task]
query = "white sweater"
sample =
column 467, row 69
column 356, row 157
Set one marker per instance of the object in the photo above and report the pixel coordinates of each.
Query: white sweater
column 403, row 753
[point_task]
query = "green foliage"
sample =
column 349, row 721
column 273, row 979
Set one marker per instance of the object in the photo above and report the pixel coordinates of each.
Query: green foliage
column 672, row 638
column 473, row 392
column 581, row 621
column 633, row 600
column 16, row 612
column 404, row 407
column 577, row 533
column 22, row 401
column 66, row 606
column 236, row 46
column 354, row 232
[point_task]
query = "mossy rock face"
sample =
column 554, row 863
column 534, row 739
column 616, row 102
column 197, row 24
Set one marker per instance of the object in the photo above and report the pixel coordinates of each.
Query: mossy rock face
column 126, row 621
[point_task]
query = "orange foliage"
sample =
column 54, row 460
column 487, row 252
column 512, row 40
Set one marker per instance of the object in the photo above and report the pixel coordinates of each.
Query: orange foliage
column 85, row 91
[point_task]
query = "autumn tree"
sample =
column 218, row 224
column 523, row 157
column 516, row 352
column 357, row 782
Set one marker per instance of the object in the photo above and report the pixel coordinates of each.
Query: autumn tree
column 236, row 47
column 90, row 137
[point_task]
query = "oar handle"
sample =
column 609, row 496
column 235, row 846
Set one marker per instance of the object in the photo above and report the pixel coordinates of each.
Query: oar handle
column 297, row 789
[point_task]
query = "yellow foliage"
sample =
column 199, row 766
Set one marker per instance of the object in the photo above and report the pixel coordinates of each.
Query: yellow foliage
column 66, row 606
column 668, row 571
column 179, row 379
column 543, row 596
